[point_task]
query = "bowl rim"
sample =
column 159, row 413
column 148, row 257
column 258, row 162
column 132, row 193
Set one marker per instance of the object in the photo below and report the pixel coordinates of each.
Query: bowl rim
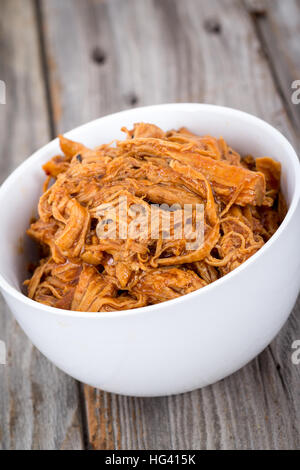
column 19, row 296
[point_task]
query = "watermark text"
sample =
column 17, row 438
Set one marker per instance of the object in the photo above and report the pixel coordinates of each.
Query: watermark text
column 296, row 94
column 296, row 354
column 124, row 220
column 2, row 92
column 2, row 353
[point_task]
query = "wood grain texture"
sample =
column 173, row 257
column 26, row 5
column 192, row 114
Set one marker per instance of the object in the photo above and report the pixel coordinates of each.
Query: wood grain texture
column 278, row 26
column 38, row 404
column 136, row 53
column 103, row 56
column 139, row 53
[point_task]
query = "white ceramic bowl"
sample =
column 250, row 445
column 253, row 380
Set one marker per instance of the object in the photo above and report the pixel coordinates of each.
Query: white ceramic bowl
column 182, row 344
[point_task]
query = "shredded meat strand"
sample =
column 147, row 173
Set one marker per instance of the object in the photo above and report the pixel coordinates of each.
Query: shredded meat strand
column 81, row 270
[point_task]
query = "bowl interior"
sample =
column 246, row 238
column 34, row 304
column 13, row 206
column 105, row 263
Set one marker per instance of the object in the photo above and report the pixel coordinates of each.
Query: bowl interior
column 19, row 195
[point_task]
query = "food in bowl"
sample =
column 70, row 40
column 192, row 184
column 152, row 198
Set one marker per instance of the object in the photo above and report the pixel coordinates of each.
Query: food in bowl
column 112, row 226
column 188, row 342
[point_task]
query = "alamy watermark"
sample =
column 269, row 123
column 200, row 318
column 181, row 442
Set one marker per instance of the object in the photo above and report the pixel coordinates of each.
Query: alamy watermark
column 2, row 92
column 296, row 94
column 296, row 354
column 2, row 353
column 123, row 220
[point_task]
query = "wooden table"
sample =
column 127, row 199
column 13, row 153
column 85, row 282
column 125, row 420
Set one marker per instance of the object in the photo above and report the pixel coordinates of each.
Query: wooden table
column 66, row 62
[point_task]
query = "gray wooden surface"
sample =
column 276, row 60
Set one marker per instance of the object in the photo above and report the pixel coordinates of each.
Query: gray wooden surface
column 67, row 62
column 39, row 405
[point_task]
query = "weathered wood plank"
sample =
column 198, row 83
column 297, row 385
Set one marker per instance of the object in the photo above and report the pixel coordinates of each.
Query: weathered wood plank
column 39, row 406
column 278, row 25
column 158, row 51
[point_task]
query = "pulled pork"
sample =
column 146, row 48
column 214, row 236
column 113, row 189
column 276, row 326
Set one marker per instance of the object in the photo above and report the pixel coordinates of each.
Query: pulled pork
column 84, row 271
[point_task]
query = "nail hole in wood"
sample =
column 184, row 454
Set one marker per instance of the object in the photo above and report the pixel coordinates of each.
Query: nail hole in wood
column 212, row 26
column 99, row 56
column 259, row 14
column 133, row 99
